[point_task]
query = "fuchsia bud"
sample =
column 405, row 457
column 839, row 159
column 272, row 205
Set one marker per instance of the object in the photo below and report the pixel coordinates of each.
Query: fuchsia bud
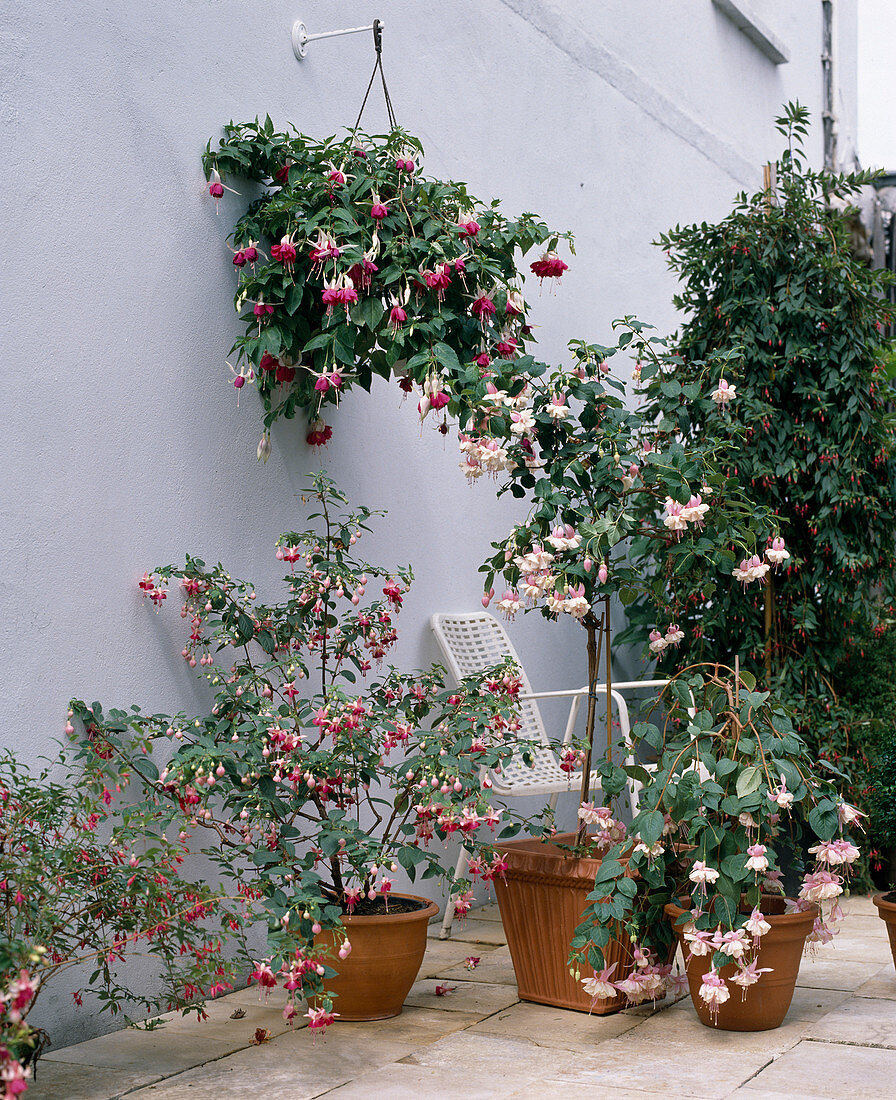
column 587, row 565
column 602, row 574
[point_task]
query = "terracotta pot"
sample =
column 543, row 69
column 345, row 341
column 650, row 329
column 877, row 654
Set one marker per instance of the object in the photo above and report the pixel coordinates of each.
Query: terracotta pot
column 766, row 1003
column 886, row 910
column 542, row 897
column 387, row 952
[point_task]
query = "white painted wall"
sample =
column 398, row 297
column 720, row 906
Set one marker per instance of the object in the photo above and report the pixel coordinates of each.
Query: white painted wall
column 123, row 446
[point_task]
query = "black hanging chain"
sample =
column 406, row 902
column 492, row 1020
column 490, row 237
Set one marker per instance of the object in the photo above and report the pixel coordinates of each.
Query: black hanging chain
column 377, row 67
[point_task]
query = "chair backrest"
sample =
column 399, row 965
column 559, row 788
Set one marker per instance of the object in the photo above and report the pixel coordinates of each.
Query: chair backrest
column 472, row 642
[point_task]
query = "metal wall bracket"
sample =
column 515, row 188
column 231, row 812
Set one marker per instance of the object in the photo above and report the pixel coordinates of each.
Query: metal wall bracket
column 301, row 37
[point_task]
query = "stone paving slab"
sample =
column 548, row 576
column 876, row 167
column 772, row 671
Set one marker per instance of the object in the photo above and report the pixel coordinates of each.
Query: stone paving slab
column 442, row 955
column 160, row 1052
column 473, row 931
column 554, row 1027
column 494, row 966
column 59, row 1080
column 835, row 972
column 881, row 984
column 468, row 996
column 825, row 1071
column 861, row 1021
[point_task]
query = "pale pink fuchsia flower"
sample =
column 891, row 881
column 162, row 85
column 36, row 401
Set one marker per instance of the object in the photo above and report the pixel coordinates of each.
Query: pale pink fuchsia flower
column 749, row 975
column 557, row 409
column 776, row 553
column 600, row 987
column 723, row 394
column 652, row 851
column 694, row 510
column 849, row 815
column 747, row 820
column 751, row 569
column 714, row 992
column 263, row 451
column 548, row 266
column 535, row 561
column 522, row 423
column 758, row 860
column 564, row 538
column 657, row 643
column 575, row 603
column 821, row 886
column 821, row 932
column 698, row 942
column 732, row 943
column 674, row 634
column 834, row 853
column 781, row 795
column 757, row 925
column 673, row 519
column 700, row 874
column 509, row 604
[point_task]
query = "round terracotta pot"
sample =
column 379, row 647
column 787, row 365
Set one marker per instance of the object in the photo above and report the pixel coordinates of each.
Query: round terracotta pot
column 886, row 910
column 542, row 897
column 387, row 952
column 766, row 1003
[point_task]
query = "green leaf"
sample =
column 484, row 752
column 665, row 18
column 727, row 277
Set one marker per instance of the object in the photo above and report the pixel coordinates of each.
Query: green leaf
column 748, row 781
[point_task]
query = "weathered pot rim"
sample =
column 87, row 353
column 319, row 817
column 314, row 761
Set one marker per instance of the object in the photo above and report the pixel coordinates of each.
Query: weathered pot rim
column 674, row 912
column 427, row 912
column 884, row 906
column 535, row 855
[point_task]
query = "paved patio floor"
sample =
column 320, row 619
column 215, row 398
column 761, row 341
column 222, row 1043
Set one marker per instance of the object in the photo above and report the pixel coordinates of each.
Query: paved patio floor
column 481, row 1041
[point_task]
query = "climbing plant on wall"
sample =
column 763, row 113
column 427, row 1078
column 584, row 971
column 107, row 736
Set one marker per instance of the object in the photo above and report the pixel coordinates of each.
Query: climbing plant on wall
column 804, row 406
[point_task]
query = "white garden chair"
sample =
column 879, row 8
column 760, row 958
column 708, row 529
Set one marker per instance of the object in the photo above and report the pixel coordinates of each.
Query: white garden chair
column 473, row 642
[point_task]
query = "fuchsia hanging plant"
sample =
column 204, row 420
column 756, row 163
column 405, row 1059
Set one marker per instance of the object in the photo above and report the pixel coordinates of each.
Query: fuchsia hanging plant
column 354, row 262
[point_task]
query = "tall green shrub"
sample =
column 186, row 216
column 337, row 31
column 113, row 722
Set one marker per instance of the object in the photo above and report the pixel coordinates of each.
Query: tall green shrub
column 775, row 288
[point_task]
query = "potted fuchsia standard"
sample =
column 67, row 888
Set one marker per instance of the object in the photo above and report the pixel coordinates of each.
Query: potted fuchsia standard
column 312, row 781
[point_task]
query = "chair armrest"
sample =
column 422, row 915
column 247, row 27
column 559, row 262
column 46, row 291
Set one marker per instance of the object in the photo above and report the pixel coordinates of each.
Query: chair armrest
column 554, row 694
